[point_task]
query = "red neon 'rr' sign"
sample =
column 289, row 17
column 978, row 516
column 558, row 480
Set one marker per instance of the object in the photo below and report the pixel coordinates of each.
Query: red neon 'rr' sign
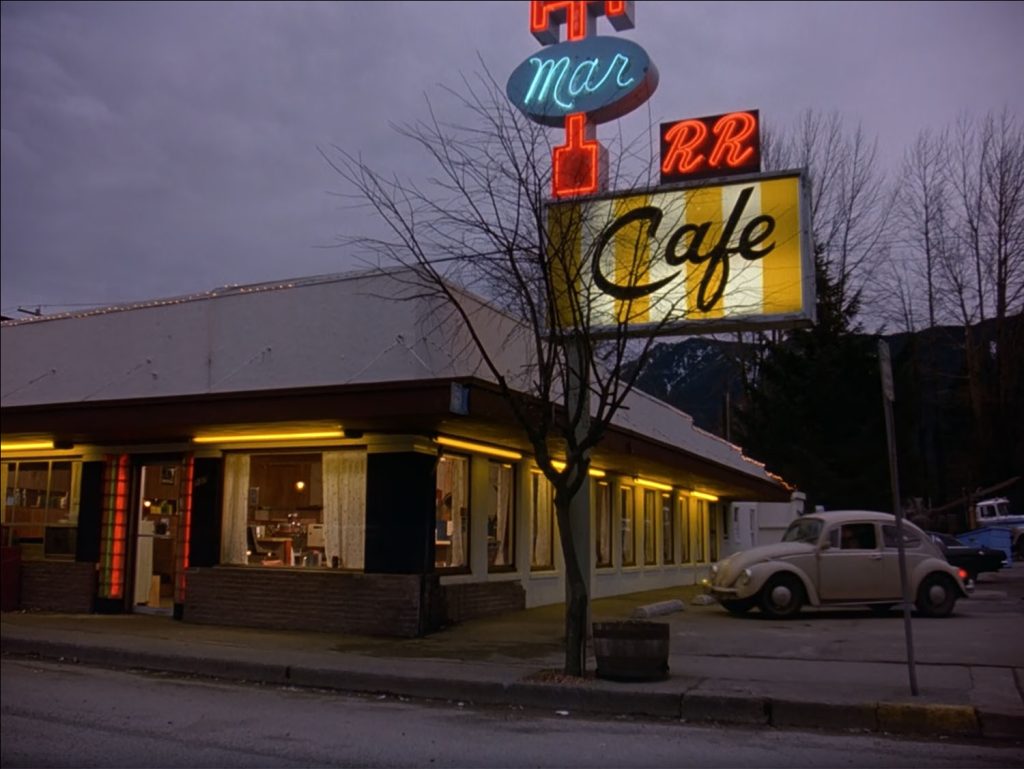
column 719, row 145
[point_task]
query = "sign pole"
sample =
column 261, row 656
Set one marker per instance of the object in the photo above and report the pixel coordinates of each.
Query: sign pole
column 888, row 397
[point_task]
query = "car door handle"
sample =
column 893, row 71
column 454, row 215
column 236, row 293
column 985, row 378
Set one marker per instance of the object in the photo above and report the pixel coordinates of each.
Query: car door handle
column 876, row 557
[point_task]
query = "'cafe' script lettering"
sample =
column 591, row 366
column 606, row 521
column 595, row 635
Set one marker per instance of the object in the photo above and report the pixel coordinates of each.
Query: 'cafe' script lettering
column 684, row 245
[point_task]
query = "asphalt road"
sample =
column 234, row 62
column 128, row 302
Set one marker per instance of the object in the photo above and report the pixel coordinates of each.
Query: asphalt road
column 72, row 716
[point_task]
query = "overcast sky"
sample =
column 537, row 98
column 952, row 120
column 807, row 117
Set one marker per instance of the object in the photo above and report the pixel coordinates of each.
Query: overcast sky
column 156, row 149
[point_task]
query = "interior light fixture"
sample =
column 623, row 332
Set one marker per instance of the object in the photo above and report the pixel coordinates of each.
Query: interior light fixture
column 593, row 472
column 281, row 436
column 480, row 448
column 300, row 485
column 651, row 484
column 704, row 495
column 25, row 445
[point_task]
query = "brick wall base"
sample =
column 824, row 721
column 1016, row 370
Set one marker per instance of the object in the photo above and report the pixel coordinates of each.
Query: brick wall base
column 482, row 599
column 61, row 586
column 331, row 601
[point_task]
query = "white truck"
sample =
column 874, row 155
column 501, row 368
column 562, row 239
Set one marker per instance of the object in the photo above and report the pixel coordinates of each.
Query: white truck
column 997, row 527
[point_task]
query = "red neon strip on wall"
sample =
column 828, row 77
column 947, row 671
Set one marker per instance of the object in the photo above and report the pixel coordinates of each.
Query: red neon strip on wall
column 113, row 545
column 184, row 530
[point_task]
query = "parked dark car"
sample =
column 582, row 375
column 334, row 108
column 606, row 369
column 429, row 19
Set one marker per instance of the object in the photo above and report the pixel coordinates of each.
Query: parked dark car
column 974, row 559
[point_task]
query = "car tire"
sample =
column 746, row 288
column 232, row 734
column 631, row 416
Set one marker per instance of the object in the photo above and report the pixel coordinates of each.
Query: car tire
column 782, row 596
column 739, row 606
column 936, row 596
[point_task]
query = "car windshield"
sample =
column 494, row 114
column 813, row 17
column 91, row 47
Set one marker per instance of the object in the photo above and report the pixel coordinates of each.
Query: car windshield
column 803, row 530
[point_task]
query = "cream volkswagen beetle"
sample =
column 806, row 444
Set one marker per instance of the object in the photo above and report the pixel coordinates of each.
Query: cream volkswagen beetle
column 838, row 558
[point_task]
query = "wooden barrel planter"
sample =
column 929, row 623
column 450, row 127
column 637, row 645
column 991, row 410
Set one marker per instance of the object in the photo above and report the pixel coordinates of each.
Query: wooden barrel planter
column 631, row 650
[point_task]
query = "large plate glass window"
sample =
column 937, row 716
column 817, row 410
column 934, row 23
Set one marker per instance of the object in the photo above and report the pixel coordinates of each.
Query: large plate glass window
column 651, row 504
column 451, row 540
column 542, row 523
column 501, row 516
column 668, row 530
column 295, row 509
column 40, row 507
column 603, row 523
column 627, row 526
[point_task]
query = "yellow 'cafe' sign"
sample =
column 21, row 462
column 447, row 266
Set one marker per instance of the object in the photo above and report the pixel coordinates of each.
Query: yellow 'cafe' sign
column 698, row 259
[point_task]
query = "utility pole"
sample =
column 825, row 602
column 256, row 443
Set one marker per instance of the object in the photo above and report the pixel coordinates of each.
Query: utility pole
column 888, row 397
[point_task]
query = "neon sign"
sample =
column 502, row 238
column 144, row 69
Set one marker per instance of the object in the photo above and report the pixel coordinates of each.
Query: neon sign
column 579, row 83
column 601, row 77
column 720, row 145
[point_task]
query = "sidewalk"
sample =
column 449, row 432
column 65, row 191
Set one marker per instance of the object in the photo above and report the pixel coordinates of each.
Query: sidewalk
column 817, row 672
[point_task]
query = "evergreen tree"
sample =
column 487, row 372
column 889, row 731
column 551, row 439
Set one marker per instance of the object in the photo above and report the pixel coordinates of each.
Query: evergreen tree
column 813, row 408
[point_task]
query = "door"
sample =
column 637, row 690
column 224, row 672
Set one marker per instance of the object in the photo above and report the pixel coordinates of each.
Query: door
column 157, row 514
column 852, row 567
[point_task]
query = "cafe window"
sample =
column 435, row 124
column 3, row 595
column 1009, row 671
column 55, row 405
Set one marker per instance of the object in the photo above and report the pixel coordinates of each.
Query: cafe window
column 685, row 530
column 668, row 530
column 301, row 509
column 501, row 517
column 451, row 541
column 698, row 522
column 40, row 507
column 542, row 554
column 603, row 523
column 627, row 526
column 650, row 527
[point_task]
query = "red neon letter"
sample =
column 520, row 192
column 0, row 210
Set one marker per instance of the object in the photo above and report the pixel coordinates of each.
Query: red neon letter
column 732, row 130
column 685, row 138
column 546, row 16
column 576, row 165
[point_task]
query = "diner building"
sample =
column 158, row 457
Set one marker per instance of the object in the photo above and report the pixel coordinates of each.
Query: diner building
column 324, row 453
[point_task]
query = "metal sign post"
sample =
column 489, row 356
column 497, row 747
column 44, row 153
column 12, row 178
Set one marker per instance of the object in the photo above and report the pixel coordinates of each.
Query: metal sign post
column 888, row 396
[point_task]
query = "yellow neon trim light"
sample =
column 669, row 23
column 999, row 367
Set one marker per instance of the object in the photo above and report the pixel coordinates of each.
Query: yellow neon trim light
column 283, row 436
column 704, row 495
column 480, row 448
column 25, row 445
column 652, row 484
column 593, row 472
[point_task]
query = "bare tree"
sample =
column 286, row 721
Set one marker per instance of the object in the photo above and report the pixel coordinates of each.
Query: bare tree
column 851, row 202
column 923, row 242
column 483, row 222
column 984, row 272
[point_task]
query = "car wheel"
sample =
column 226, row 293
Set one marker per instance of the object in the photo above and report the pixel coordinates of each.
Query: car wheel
column 738, row 607
column 937, row 596
column 782, row 596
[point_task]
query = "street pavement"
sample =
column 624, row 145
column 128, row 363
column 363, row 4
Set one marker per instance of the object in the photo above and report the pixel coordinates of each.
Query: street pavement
column 836, row 670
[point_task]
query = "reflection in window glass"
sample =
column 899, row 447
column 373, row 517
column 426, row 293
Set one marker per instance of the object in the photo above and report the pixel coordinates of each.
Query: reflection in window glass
column 500, row 516
column 451, row 546
column 626, row 526
column 603, row 519
column 650, row 527
column 542, row 554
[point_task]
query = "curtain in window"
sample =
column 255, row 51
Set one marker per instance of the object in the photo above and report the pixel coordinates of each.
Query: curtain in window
column 345, row 507
column 236, row 506
column 542, row 514
column 504, row 502
column 459, row 509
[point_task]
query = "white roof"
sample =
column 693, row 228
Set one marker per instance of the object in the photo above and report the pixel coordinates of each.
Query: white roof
column 345, row 329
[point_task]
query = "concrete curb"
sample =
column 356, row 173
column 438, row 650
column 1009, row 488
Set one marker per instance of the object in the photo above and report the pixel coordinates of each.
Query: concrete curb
column 750, row 710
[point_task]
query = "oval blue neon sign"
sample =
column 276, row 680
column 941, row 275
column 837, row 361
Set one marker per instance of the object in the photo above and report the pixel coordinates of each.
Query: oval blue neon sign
column 604, row 77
